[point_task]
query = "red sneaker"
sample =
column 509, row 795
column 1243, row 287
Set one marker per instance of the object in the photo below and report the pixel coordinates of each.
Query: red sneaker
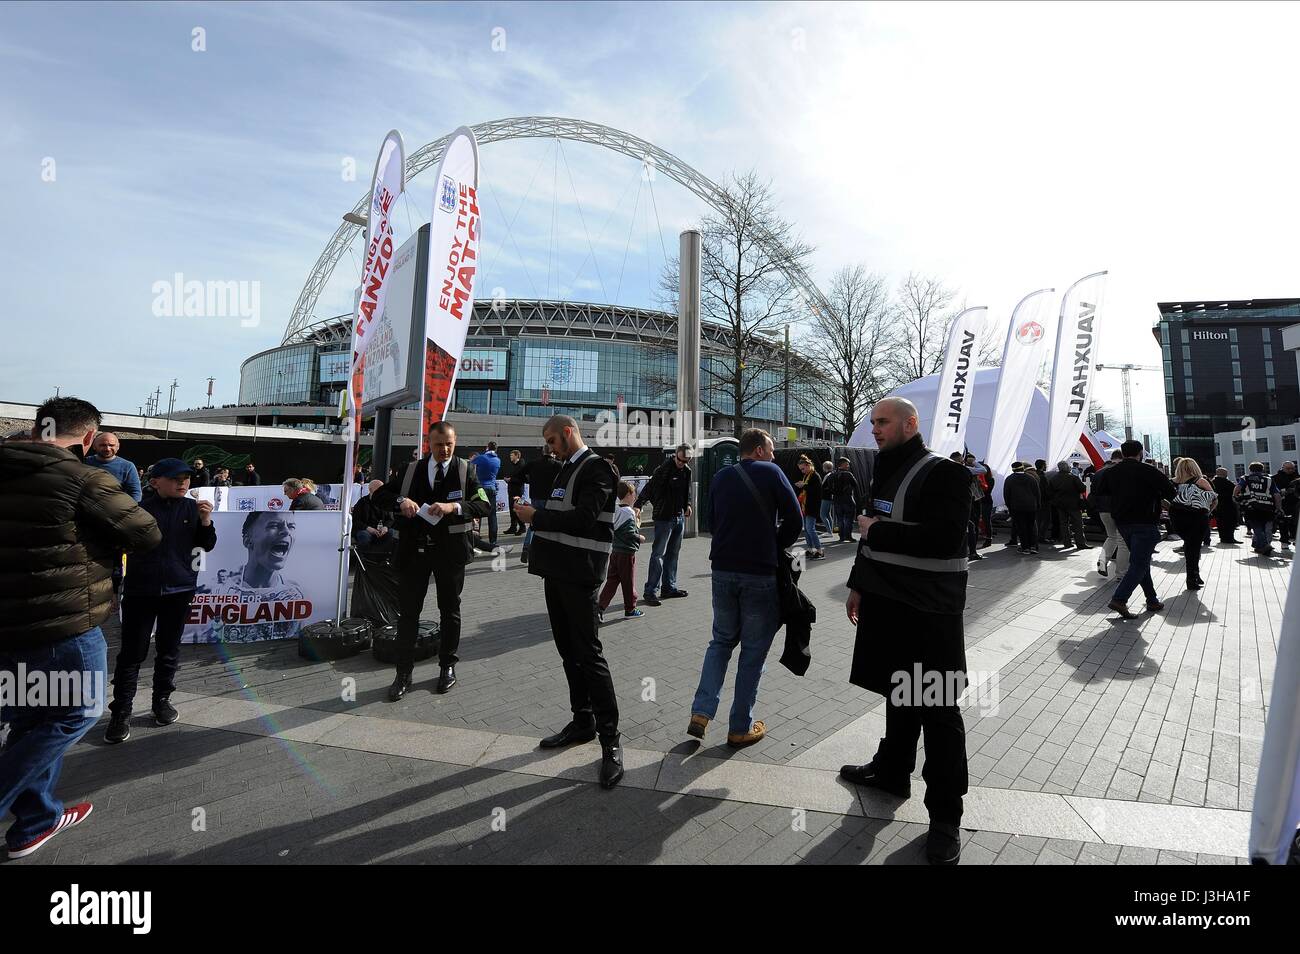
column 74, row 815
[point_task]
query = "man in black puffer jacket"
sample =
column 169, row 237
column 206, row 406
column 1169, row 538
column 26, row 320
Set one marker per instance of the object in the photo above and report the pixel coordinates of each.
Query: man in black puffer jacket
column 62, row 525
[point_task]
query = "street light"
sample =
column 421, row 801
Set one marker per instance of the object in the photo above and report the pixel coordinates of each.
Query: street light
column 355, row 219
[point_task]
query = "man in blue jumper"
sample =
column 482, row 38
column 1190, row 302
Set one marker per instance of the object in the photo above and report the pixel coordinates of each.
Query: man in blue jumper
column 754, row 515
column 158, row 590
column 105, row 456
column 487, row 465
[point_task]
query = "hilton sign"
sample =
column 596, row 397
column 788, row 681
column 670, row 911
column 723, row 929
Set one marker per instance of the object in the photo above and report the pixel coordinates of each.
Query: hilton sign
column 1209, row 336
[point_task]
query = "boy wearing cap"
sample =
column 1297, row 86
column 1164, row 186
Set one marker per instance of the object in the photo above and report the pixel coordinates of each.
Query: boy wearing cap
column 157, row 591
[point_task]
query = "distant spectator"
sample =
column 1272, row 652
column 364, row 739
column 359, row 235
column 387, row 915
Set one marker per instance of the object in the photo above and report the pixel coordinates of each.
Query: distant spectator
column 487, row 465
column 301, row 495
column 62, row 525
column 105, row 456
column 1067, row 497
column 201, row 477
column 809, row 489
column 250, row 478
column 513, row 472
column 222, row 479
column 842, row 487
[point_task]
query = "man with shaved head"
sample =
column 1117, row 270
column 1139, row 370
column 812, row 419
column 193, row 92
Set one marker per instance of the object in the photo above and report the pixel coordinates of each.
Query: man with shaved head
column 573, row 536
column 906, row 596
column 106, row 447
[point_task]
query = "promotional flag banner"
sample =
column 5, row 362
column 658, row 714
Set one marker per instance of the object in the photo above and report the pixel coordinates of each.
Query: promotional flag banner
column 1074, row 367
column 386, row 184
column 1027, row 341
column 454, row 240
column 956, row 383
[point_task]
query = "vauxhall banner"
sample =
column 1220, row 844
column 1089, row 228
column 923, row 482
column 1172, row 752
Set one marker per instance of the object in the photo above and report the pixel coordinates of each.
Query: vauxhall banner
column 1027, row 341
column 1074, row 369
column 454, row 240
column 270, row 574
column 952, row 400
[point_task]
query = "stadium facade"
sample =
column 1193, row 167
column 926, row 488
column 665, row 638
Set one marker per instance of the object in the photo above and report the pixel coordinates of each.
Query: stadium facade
column 531, row 359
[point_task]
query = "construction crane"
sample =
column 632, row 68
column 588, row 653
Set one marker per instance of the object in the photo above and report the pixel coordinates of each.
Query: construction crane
column 1124, row 370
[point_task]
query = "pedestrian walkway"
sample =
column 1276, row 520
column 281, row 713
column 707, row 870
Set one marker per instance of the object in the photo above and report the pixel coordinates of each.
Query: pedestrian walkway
column 1094, row 740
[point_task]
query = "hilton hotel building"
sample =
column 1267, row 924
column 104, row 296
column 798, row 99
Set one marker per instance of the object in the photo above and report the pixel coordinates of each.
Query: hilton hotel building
column 1226, row 361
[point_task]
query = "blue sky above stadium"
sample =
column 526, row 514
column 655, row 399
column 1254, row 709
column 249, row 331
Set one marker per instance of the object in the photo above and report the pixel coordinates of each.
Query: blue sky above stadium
column 1003, row 148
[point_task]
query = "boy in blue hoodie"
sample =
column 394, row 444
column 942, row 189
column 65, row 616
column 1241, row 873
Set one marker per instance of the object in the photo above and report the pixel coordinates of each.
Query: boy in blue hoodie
column 158, row 589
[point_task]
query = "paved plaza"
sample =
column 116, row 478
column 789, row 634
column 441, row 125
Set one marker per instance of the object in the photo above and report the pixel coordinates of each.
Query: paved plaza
column 1092, row 740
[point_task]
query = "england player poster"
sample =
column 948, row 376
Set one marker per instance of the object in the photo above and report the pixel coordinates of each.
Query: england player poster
column 271, row 573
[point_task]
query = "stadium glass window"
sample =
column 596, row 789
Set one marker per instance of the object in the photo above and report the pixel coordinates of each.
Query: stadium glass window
column 1261, row 445
column 1239, row 470
column 1288, row 442
column 1237, row 449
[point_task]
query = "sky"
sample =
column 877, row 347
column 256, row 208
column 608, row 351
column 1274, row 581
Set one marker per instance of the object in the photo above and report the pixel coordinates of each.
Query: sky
column 1000, row 147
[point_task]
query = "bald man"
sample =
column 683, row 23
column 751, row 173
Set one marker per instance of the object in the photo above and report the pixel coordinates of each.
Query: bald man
column 906, row 596
column 105, row 455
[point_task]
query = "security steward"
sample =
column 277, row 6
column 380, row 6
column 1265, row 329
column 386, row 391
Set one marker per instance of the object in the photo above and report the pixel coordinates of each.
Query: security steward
column 451, row 490
column 573, row 533
column 906, row 596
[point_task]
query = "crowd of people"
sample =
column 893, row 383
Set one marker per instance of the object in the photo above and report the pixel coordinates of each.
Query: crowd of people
column 917, row 520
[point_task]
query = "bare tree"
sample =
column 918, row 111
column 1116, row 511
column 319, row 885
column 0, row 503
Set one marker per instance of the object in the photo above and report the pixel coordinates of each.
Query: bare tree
column 922, row 317
column 847, row 345
column 745, row 249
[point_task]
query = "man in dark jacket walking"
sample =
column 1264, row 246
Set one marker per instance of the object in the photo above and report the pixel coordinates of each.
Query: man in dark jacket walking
column 907, row 592
column 669, row 493
column 1226, row 516
column 1021, row 494
column 1044, row 527
column 755, row 515
column 62, row 526
column 1067, row 497
column 158, row 590
column 842, row 488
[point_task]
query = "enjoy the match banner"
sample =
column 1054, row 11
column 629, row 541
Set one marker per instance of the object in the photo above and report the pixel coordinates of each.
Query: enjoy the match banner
column 1028, row 338
column 455, row 234
column 1074, row 369
column 952, row 402
column 270, row 574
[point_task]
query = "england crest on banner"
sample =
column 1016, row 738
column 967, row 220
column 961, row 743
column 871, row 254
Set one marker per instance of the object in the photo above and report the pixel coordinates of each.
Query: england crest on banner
column 447, row 194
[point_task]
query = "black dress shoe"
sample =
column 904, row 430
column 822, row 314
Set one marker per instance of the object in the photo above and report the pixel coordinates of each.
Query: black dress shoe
column 866, row 776
column 446, row 678
column 571, row 734
column 401, row 685
column 943, row 844
column 651, row 600
column 611, row 761
column 672, row 594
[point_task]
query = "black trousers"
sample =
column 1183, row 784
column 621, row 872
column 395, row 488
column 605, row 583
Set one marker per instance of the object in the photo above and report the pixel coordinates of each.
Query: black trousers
column 1071, row 526
column 1026, row 524
column 1044, row 524
column 572, row 609
column 412, row 589
column 1191, row 526
column 1286, row 525
column 139, row 616
column 986, row 511
column 945, row 773
column 1226, row 518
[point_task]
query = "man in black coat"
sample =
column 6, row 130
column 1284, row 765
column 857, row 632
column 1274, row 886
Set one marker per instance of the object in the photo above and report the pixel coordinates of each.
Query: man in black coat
column 573, row 533
column 1225, row 511
column 842, row 488
column 1067, row 498
column 1021, row 495
column 906, row 596
column 437, row 499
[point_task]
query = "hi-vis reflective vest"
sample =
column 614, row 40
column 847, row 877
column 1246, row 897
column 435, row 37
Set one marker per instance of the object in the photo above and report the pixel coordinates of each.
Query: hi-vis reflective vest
column 934, row 584
column 577, row 558
column 1257, row 492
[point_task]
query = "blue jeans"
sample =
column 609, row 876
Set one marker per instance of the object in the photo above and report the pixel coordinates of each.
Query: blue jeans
column 827, row 516
column 810, row 533
column 40, row 735
column 1261, row 533
column 746, row 610
column 846, row 517
column 663, row 555
column 1141, row 540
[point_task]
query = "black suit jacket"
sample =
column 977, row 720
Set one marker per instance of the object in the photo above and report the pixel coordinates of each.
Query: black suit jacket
column 447, row 543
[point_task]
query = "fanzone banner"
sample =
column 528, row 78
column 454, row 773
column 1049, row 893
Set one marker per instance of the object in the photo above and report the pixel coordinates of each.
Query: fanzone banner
column 957, row 383
column 270, row 574
column 455, row 235
column 1074, row 369
column 1027, row 341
